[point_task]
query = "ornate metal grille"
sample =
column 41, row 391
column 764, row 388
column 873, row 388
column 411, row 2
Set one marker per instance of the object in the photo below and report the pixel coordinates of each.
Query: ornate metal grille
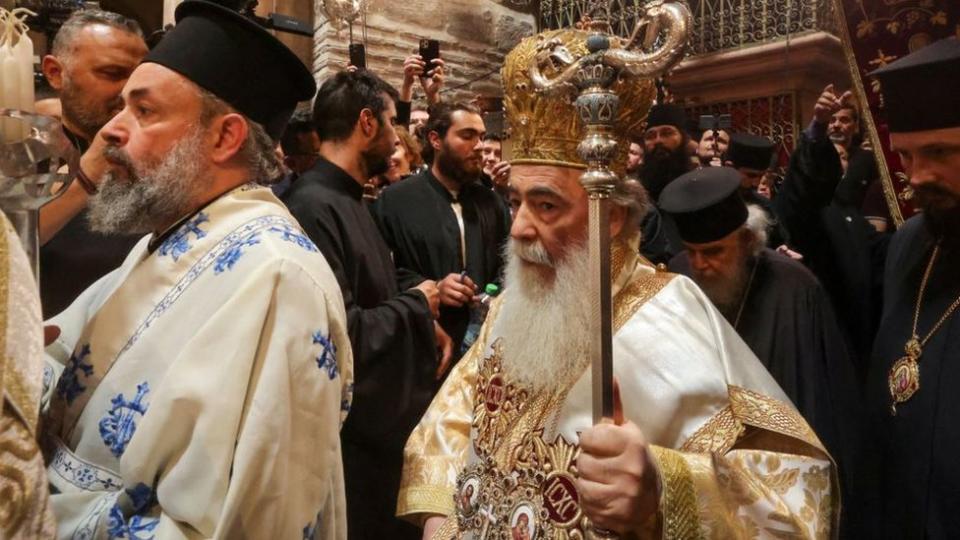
column 718, row 24
column 774, row 117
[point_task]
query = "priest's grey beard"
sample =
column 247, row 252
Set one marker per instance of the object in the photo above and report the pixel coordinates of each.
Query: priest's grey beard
column 151, row 196
column 543, row 321
column 726, row 291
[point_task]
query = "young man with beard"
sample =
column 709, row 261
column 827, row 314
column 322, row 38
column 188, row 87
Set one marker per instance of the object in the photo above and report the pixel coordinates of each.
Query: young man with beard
column 92, row 55
column 912, row 385
column 773, row 302
column 444, row 224
column 701, row 421
column 665, row 157
column 212, row 371
column 392, row 330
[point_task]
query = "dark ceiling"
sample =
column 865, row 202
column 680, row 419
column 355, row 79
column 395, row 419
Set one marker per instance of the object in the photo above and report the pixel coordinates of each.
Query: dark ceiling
column 149, row 13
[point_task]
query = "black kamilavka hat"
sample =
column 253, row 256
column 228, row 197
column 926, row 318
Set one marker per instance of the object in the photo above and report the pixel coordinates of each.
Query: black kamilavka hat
column 705, row 204
column 235, row 59
column 920, row 90
column 751, row 151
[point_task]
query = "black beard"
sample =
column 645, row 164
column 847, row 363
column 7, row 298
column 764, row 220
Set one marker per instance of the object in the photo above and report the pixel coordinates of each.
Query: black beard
column 375, row 164
column 941, row 210
column 662, row 166
column 453, row 168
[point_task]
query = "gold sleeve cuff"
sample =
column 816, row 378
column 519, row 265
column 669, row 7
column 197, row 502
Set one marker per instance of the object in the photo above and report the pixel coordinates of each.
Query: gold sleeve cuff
column 679, row 511
column 416, row 501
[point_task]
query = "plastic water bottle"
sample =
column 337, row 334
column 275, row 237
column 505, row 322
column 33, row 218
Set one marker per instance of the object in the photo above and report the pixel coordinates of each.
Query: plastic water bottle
column 478, row 314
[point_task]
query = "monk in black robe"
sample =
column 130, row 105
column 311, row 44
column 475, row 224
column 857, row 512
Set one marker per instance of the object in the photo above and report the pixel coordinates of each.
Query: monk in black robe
column 912, row 388
column 392, row 332
column 838, row 245
column 443, row 224
column 775, row 304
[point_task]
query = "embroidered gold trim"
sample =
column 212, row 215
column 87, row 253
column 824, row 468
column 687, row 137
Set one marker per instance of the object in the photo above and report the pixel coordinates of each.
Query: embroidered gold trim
column 447, row 531
column 636, row 294
column 425, row 500
column 4, row 308
column 678, row 500
column 764, row 412
column 718, row 435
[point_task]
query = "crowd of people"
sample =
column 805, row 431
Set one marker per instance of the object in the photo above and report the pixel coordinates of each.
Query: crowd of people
column 293, row 350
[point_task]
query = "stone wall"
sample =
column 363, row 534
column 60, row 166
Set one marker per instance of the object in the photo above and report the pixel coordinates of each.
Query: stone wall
column 474, row 36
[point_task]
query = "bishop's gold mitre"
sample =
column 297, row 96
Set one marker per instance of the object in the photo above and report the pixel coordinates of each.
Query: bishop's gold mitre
column 546, row 129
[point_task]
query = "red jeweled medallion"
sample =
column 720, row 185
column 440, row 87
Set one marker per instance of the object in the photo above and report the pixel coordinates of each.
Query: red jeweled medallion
column 904, row 380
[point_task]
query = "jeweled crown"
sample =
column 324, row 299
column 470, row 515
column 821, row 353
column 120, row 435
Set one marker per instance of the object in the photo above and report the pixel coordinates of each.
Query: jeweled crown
column 546, row 129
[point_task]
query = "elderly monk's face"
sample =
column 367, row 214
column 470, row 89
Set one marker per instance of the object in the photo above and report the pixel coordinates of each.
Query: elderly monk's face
column 931, row 160
column 160, row 107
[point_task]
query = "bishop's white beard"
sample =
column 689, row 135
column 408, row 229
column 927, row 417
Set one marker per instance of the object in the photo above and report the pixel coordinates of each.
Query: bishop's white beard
column 149, row 196
column 543, row 323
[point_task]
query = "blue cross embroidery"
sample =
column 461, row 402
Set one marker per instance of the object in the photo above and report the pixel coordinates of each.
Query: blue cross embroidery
column 69, row 386
column 328, row 356
column 233, row 253
column 292, row 235
column 138, row 527
column 118, row 426
column 179, row 242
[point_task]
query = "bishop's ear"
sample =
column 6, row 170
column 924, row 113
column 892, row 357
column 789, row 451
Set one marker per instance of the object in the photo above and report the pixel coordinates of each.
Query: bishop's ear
column 228, row 134
column 618, row 217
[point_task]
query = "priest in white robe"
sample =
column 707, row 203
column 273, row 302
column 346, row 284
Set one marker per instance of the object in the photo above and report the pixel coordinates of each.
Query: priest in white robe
column 705, row 444
column 198, row 390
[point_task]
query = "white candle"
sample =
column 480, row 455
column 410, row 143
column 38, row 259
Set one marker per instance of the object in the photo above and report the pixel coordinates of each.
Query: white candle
column 16, row 70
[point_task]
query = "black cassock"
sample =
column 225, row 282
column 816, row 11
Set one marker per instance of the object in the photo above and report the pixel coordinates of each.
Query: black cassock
column 394, row 349
column 838, row 245
column 914, row 457
column 421, row 228
column 789, row 323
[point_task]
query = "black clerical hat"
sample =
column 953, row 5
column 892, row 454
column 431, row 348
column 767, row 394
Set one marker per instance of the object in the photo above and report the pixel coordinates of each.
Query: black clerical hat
column 705, row 204
column 920, row 90
column 751, row 151
column 667, row 114
column 235, row 59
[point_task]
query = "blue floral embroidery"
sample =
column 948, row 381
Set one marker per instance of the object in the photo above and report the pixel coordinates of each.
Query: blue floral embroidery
column 69, row 386
column 118, row 426
column 251, row 227
column 233, row 253
column 83, row 475
column 179, row 242
column 310, row 531
column 142, row 498
column 328, row 356
column 295, row 236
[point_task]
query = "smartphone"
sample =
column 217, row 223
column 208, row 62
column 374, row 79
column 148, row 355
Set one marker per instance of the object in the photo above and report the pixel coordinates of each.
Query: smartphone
column 358, row 55
column 429, row 51
column 718, row 122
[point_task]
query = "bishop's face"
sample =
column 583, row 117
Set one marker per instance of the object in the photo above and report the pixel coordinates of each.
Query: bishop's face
column 931, row 160
column 550, row 209
column 160, row 107
column 157, row 152
column 551, row 214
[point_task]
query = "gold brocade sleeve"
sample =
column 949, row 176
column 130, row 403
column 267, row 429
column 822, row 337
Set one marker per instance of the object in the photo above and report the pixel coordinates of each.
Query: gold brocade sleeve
column 755, row 470
column 436, row 451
